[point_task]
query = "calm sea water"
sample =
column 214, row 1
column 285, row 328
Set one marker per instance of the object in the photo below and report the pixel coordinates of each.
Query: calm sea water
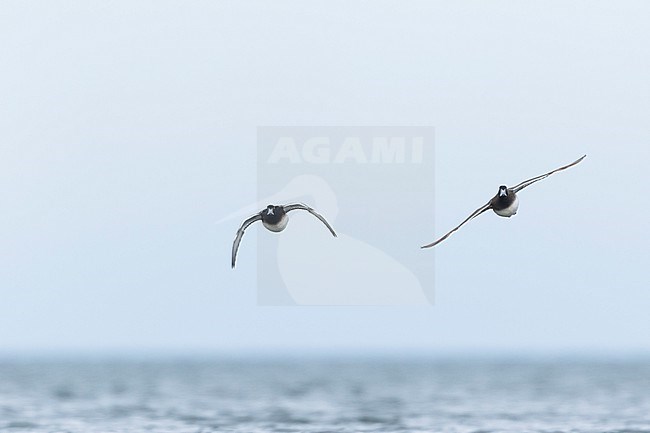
column 325, row 396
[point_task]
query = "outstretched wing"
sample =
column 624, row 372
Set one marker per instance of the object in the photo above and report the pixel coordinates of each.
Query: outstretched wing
column 476, row 213
column 240, row 233
column 528, row 182
column 301, row 206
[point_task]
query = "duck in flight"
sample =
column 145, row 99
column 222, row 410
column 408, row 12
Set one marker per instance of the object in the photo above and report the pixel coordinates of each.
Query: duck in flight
column 506, row 202
column 275, row 219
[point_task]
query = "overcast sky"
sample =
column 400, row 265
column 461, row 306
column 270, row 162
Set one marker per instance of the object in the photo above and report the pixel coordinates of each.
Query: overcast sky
column 128, row 128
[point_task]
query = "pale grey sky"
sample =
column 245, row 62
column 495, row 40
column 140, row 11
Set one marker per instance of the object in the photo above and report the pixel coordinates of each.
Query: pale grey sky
column 128, row 128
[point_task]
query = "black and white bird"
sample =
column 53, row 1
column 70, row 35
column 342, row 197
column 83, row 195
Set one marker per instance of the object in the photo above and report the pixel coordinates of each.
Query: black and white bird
column 275, row 219
column 505, row 203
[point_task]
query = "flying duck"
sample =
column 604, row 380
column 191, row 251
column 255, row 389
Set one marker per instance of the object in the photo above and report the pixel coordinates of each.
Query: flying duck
column 275, row 219
column 505, row 203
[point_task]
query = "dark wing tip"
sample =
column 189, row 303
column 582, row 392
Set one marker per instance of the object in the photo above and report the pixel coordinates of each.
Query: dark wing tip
column 579, row 159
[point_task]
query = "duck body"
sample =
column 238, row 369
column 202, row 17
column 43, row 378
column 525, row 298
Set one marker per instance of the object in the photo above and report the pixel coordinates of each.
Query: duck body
column 275, row 218
column 505, row 203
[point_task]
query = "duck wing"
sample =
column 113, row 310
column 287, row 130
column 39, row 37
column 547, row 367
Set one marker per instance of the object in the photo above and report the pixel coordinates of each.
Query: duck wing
column 240, row 234
column 289, row 208
column 474, row 214
column 531, row 181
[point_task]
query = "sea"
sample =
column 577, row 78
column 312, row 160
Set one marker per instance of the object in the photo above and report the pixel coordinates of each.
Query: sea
column 324, row 394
